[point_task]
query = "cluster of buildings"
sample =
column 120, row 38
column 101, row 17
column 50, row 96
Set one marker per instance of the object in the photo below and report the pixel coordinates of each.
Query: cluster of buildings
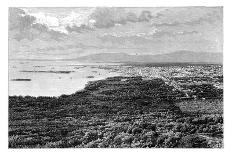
column 193, row 80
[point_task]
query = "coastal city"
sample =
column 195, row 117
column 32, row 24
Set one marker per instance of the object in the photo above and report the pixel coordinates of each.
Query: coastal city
column 186, row 78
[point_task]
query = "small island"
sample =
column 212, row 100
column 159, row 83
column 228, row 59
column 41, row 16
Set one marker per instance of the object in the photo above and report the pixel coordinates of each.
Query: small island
column 20, row 79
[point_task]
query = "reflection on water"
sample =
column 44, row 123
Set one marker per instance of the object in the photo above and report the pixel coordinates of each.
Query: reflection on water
column 52, row 78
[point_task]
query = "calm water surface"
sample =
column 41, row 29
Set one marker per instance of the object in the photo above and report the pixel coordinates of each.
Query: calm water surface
column 52, row 84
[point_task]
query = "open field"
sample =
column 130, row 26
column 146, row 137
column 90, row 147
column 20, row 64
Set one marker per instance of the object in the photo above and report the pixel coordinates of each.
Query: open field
column 210, row 106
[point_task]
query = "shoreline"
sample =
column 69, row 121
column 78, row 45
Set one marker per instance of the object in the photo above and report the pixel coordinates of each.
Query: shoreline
column 82, row 89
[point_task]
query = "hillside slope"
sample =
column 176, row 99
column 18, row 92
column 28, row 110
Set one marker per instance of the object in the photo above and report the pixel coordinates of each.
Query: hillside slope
column 116, row 112
column 175, row 57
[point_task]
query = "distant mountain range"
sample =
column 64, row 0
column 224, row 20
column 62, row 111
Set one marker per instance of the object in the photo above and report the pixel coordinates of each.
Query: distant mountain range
column 175, row 57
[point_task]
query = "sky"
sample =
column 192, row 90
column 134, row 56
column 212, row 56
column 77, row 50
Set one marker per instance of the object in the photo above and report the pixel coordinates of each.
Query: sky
column 68, row 33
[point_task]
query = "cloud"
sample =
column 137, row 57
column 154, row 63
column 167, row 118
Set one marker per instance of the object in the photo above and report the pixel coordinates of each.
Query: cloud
column 58, row 19
column 23, row 26
column 131, row 17
column 95, row 30
column 145, row 16
column 44, row 19
column 19, row 20
column 80, row 29
column 188, row 16
column 174, row 34
column 109, row 17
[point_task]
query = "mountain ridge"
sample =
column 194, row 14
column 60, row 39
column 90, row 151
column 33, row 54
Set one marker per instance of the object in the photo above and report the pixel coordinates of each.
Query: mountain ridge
column 174, row 57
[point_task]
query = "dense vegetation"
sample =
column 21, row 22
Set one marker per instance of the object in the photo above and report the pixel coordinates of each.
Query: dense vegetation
column 116, row 112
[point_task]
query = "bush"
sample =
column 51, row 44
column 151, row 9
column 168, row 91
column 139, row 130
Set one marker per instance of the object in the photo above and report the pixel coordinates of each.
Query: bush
column 56, row 144
column 93, row 144
column 128, row 139
column 193, row 141
column 160, row 140
column 90, row 136
column 137, row 130
column 171, row 142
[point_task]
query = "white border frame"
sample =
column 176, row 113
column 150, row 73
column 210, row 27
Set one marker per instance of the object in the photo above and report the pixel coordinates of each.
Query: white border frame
column 116, row 3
